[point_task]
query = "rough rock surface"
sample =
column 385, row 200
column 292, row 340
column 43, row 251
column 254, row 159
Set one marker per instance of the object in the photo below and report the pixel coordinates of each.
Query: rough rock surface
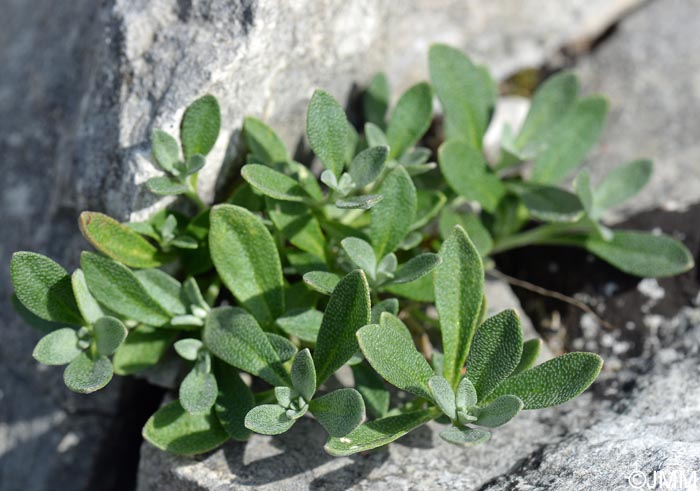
column 648, row 69
column 265, row 58
column 296, row 460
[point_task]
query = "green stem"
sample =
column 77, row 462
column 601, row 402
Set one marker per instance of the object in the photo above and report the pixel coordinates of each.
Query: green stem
column 192, row 193
column 544, row 234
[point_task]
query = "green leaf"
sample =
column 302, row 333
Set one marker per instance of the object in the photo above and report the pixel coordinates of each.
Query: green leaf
column 551, row 101
column 200, row 126
column 245, row 256
column 416, row 267
column 375, row 101
column 499, row 412
column 85, row 375
column 304, row 374
column 584, row 191
column 443, row 395
column 348, row 309
column 109, row 334
column 328, row 131
column 268, row 419
column 361, row 254
column 464, row 437
column 164, row 289
column 176, row 431
column 166, row 151
column 58, row 347
column 390, row 305
column 378, row 432
column 359, row 202
column 367, row 165
column 118, row 241
column 88, row 306
column 392, row 218
column 642, row 254
column 194, row 164
column 372, row 389
column 464, row 93
column 234, row 401
column 570, row 140
column 495, row 351
column 531, row 350
column 302, row 323
column 375, row 136
column 118, row 289
column 272, row 183
column 198, row 392
column 192, row 294
column 465, row 395
column 459, row 287
column 284, row 347
column 322, row 281
column 263, row 142
column 421, row 290
column 471, row 223
column 621, row 184
column 551, row 204
column 188, row 348
column 144, row 347
column 553, row 382
column 410, row 119
column 466, row 171
column 389, row 348
column 429, row 205
column 233, row 335
column 166, row 186
column 44, row 288
column 339, row 412
column 299, row 225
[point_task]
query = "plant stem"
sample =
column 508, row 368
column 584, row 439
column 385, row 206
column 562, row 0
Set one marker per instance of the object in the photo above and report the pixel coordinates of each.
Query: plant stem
column 544, row 234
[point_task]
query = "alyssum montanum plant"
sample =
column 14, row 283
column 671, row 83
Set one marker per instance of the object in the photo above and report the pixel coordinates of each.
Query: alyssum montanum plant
column 313, row 274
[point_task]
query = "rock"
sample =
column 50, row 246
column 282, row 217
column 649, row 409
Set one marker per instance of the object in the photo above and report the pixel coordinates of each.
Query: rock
column 649, row 436
column 296, row 459
column 263, row 59
column 652, row 86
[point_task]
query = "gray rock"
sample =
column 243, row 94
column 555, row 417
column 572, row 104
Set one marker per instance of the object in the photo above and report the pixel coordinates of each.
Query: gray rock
column 649, row 436
column 264, row 59
column 648, row 71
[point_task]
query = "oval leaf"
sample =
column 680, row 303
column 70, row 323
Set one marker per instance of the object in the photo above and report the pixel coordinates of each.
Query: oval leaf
column 272, row 183
column 553, row 382
column 359, row 202
column 44, row 288
column 268, row 419
column 245, row 256
column 118, row 241
column 58, row 347
column 263, row 142
column 198, row 392
column 164, row 289
column 443, row 395
column 495, row 351
column 200, row 126
column 348, row 310
column 499, row 412
column 234, row 336
column 109, row 334
column 322, row 281
column 459, row 287
column 118, row 289
column 378, row 432
column 304, row 374
column 339, row 412
column 464, row 437
column 389, row 348
column 467, row 173
column 642, row 254
column 86, row 375
column 174, row 430
column 367, row 165
column 328, row 130
column 393, row 216
column 416, row 268
column 166, row 151
column 302, row 323
column 87, row 304
column 621, row 184
column 410, row 119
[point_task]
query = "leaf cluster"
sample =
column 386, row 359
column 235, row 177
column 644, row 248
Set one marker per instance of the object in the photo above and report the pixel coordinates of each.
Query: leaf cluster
column 266, row 295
